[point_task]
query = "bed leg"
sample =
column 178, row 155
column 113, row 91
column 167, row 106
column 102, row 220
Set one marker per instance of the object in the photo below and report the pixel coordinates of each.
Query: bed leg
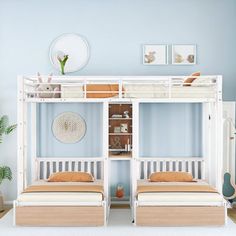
column 14, row 213
column 134, row 213
column 226, row 213
column 105, row 213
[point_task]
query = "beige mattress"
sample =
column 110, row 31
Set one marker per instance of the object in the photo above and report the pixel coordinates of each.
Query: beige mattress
column 178, row 198
column 145, row 91
column 160, row 91
column 62, row 197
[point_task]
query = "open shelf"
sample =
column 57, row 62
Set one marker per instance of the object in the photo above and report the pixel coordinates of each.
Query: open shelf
column 122, row 156
column 120, row 129
column 120, row 118
column 116, row 200
column 120, row 133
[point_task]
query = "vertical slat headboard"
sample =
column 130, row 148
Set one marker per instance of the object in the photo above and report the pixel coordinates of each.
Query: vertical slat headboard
column 195, row 166
column 48, row 166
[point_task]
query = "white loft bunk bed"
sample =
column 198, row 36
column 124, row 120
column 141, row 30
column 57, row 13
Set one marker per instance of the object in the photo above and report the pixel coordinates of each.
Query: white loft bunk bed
column 134, row 90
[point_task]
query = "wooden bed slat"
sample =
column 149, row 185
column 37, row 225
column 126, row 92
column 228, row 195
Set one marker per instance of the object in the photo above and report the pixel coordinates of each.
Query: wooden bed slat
column 82, row 166
column 95, row 169
column 45, row 170
column 196, row 170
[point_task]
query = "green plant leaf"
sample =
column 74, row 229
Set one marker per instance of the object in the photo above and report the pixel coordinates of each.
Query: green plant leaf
column 3, row 124
column 10, row 128
column 5, row 173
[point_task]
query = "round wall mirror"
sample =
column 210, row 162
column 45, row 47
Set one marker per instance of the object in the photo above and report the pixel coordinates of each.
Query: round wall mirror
column 73, row 45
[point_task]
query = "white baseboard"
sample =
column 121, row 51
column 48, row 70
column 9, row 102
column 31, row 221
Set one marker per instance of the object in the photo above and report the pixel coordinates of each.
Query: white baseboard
column 8, row 202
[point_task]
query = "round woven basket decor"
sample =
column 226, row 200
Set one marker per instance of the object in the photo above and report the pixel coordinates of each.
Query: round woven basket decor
column 69, row 127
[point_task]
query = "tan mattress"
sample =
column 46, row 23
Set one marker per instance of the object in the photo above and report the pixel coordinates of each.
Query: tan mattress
column 177, row 193
column 43, row 191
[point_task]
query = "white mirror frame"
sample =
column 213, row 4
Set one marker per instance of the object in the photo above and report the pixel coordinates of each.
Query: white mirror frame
column 69, row 67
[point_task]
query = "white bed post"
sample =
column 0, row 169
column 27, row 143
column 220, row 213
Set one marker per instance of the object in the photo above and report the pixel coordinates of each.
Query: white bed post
column 207, row 136
column 219, row 135
column 219, row 141
column 105, row 156
column 135, row 163
column 21, row 128
column 34, row 168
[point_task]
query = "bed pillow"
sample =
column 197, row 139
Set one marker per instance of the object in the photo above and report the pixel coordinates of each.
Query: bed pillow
column 191, row 79
column 171, row 176
column 71, row 176
column 104, row 90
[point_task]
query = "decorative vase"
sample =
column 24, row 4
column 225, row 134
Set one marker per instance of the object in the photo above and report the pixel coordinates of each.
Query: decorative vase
column 120, row 191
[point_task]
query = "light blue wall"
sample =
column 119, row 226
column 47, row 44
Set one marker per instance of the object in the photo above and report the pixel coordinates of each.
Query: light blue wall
column 115, row 31
column 161, row 124
column 89, row 146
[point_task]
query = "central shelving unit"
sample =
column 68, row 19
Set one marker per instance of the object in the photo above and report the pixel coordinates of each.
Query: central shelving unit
column 120, row 151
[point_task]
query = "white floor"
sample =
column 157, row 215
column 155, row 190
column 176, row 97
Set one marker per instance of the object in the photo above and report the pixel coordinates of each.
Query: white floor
column 119, row 224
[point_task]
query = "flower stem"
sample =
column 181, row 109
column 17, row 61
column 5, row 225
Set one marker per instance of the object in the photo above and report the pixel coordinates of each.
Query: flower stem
column 62, row 68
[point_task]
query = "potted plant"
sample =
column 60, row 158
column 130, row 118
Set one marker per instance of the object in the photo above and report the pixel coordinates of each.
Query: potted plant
column 5, row 171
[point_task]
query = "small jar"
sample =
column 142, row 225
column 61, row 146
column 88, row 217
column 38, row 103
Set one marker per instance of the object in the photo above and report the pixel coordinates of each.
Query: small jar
column 120, row 192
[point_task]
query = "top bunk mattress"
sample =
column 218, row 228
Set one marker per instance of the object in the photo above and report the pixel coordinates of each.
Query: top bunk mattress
column 139, row 91
column 160, row 91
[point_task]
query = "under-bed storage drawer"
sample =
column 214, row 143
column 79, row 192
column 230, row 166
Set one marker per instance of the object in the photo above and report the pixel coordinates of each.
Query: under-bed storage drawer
column 180, row 216
column 60, row 215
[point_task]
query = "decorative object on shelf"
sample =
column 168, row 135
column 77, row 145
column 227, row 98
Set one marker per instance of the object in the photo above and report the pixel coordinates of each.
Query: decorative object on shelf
column 155, row 54
column 128, row 146
column 116, row 143
column 5, row 171
column 116, row 116
column 69, row 127
column 184, row 54
column 126, row 114
column 117, row 129
column 120, row 192
column 62, row 58
column 73, row 49
column 45, row 90
column 124, row 128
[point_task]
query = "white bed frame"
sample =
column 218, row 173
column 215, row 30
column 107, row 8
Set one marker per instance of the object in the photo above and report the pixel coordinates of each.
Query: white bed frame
column 175, row 213
column 34, row 213
column 209, row 165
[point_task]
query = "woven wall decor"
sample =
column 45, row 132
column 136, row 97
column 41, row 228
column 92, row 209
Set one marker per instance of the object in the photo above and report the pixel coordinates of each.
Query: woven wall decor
column 69, row 127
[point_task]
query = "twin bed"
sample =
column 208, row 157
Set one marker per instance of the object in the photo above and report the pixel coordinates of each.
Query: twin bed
column 178, row 203
column 45, row 203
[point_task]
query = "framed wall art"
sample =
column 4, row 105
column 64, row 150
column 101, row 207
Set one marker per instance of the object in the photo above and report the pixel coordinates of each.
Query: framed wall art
column 184, row 54
column 155, row 54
